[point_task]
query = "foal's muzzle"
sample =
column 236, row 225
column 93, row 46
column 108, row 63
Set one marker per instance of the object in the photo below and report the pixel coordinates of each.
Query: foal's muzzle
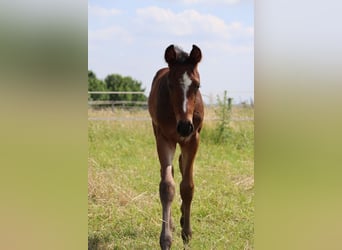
column 185, row 128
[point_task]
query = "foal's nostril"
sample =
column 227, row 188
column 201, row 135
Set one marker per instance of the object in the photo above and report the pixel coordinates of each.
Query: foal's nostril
column 184, row 128
column 191, row 128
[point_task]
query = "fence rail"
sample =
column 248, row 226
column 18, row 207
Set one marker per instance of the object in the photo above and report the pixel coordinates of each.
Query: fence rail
column 117, row 102
column 117, row 92
column 236, row 119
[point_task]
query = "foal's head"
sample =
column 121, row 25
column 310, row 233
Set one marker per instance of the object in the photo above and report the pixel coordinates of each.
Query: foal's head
column 183, row 84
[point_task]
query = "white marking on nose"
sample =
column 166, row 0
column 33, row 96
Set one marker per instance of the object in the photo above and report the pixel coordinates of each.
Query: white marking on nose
column 185, row 82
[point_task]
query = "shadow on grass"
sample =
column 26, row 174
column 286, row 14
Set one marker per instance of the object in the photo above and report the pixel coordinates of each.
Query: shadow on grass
column 93, row 243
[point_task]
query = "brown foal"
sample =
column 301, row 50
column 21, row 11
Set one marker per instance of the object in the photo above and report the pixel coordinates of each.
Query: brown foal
column 176, row 108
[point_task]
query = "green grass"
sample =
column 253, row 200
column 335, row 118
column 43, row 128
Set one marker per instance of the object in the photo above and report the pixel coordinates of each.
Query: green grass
column 124, row 210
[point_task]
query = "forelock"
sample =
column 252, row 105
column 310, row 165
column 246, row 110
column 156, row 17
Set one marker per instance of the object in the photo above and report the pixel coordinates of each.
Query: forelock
column 181, row 56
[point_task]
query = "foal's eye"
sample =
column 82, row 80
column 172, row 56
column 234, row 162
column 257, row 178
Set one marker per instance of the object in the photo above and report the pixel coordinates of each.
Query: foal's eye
column 196, row 87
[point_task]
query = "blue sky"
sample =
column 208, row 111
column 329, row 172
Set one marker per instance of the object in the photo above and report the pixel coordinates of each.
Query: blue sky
column 130, row 37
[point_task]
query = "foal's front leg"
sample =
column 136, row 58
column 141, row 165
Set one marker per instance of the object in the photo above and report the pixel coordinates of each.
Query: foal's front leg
column 186, row 161
column 167, row 192
column 166, row 152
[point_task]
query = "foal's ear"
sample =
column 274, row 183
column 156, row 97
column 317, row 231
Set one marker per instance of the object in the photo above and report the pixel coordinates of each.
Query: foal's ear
column 170, row 55
column 195, row 55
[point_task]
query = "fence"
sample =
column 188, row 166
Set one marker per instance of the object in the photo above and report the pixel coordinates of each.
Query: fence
column 210, row 98
column 143, row 104
column 121, row 103
column 147, row 118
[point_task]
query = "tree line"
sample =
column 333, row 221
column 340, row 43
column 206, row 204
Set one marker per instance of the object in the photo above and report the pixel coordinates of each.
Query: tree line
column 114, row 82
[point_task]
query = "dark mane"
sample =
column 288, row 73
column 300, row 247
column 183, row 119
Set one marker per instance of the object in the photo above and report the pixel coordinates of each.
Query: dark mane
column 182, row 56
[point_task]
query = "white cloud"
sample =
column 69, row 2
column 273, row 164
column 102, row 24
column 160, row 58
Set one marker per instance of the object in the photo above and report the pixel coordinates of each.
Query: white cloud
column 102, row 12
column 164, row 21
column 212, row 2
column 184, row 23
column 110, row 34
column 191, row 23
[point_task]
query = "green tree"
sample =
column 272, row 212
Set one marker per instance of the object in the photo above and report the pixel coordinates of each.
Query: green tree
column 116, row 82
column 95, row 84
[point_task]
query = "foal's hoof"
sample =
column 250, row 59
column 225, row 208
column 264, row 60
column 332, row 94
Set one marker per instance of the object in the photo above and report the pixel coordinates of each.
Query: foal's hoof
column 186, row 236
column 165, row 241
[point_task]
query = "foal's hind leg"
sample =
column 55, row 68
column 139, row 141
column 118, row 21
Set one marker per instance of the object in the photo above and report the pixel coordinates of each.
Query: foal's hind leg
column 186, row 161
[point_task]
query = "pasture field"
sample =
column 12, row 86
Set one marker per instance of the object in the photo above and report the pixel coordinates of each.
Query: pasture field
column 124, row 211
